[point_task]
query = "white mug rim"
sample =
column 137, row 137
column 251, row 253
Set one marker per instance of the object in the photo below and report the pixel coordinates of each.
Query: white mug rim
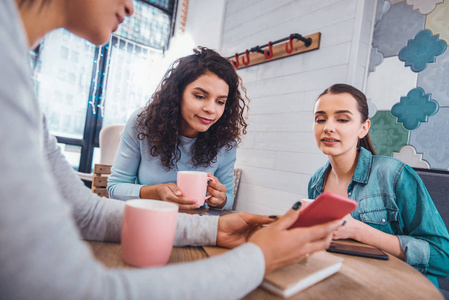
column 151, row 204
column 192, row 172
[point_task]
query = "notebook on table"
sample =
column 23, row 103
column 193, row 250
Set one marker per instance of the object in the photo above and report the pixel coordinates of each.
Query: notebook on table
column 290, row 280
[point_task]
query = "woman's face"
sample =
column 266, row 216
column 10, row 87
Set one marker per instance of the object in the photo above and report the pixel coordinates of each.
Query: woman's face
column 95, row 20
column 203, row 103
column 338, row 124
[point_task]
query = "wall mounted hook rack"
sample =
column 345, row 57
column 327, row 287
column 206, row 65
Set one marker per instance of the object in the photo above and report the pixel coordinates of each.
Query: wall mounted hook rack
column 295, row 44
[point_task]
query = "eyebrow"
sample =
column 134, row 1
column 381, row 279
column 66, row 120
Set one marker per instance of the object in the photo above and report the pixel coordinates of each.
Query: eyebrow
column 320, row 112
column 207, row 93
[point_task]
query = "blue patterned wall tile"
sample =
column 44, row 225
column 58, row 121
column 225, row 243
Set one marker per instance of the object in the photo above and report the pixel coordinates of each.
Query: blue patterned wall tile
column 422, row 50
column 376, row 59
column 435, row 79
column 382, row 8
column 432, row 140
column 372, row 108
column 396, row 1
column 415, row 108
column 389, row 83
column 424, row 6
column 387, row 135
column 437, row 21
column 397, row 26
column 409, row 156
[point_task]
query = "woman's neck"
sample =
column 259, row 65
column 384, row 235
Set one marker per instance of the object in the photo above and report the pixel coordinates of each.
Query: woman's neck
column 343, row 166
column 40, row 18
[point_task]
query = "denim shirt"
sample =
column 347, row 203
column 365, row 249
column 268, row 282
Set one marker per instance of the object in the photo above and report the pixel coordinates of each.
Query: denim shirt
column 392, row 198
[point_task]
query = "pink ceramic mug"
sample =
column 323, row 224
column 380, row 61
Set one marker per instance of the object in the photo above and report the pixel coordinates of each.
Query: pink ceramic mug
column 193, row 185
column 148, row 232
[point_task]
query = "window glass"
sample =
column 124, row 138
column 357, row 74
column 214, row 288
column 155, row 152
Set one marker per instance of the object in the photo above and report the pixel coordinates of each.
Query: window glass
column 148, row 25
column 62, row 81
column 130, row 79
column 72, row 154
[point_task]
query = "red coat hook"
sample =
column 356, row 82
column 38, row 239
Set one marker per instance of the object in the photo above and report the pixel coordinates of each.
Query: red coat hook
column 236, row 62
column 269, row 53
column 247, row 58
column 289, row 45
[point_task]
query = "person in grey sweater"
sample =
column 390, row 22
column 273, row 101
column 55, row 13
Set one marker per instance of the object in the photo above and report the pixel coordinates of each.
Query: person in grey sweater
column 46, row 211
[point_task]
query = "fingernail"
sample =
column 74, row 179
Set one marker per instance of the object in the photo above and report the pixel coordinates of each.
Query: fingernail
column 297, row 205
column 273, row 217
column 343, row 224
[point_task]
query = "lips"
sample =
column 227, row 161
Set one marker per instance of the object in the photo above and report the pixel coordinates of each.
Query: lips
column 205, row 120
column 329, row 140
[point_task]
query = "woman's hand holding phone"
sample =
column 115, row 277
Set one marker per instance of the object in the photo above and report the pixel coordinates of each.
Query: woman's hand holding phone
column 282, row 246
column 325, row 208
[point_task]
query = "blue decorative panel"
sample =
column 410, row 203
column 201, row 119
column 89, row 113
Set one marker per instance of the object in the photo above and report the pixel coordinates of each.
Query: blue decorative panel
column 372, row 108
column 376, row 59
column 424, row 7
column 437, row 21
column 381, row 9
column 432, row 140
column 397, row 26
column 422, row 50
column 409, row 156
column 387, row 135
column 389, row 83
column 435, row 79
column 414, row 109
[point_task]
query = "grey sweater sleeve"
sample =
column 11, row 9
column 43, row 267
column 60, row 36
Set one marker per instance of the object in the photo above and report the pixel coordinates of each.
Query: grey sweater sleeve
column 46, row 212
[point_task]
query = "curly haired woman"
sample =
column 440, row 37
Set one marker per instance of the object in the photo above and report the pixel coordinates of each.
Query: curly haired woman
column 193, row 123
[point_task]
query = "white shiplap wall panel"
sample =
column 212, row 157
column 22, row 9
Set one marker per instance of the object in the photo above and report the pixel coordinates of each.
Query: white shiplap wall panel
column 280, row 22
column 304, row 163
column 288, row 182
column 279, row 153
column 297, row 82
column 262, row 200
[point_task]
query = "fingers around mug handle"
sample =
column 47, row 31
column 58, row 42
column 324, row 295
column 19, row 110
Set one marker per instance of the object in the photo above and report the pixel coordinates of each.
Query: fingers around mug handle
column 210, row 178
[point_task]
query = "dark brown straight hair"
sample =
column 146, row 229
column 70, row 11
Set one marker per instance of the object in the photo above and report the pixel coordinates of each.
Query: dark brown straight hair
column 341, row 88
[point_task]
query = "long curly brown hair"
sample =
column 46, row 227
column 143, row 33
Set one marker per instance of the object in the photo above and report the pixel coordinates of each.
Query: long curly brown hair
column 160, row 121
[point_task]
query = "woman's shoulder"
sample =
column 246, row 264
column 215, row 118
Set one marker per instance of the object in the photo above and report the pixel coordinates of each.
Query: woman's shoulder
column 227, row 151
column 387, row 162
column 135, row 114
column 320, row 172
column 133, row 118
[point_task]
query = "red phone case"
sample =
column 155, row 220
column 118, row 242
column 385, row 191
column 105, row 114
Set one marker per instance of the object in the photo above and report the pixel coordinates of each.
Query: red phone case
column 326, row 207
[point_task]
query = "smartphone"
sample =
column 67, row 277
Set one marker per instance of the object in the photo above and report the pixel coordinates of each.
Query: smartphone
column 325, row 208
column 356, row 250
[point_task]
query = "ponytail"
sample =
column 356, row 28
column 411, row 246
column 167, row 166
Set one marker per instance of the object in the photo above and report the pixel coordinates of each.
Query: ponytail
column 366, row 143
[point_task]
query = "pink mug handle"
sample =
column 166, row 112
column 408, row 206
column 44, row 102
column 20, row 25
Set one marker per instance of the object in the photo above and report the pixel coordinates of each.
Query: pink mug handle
column 210, row 195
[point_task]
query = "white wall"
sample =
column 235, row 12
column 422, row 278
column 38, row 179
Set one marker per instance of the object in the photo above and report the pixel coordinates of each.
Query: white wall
column 278, row 155
column 204, row 22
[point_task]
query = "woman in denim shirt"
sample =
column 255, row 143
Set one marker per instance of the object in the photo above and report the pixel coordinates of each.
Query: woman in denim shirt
column 395, row 211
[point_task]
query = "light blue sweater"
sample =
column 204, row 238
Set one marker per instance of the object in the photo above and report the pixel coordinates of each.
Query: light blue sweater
column 134, row 166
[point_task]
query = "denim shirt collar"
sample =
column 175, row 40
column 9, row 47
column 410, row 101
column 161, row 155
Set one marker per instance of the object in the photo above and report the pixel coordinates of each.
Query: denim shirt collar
column 363, row 168
column 361, row 173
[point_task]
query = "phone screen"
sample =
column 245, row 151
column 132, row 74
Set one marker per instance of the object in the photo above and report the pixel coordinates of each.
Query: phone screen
column 356, row 250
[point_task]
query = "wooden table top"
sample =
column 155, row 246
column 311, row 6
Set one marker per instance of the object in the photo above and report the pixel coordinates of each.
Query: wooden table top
column 359, row 278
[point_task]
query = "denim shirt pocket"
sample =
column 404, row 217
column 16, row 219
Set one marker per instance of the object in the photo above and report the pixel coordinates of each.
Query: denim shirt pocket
column 379, row 210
